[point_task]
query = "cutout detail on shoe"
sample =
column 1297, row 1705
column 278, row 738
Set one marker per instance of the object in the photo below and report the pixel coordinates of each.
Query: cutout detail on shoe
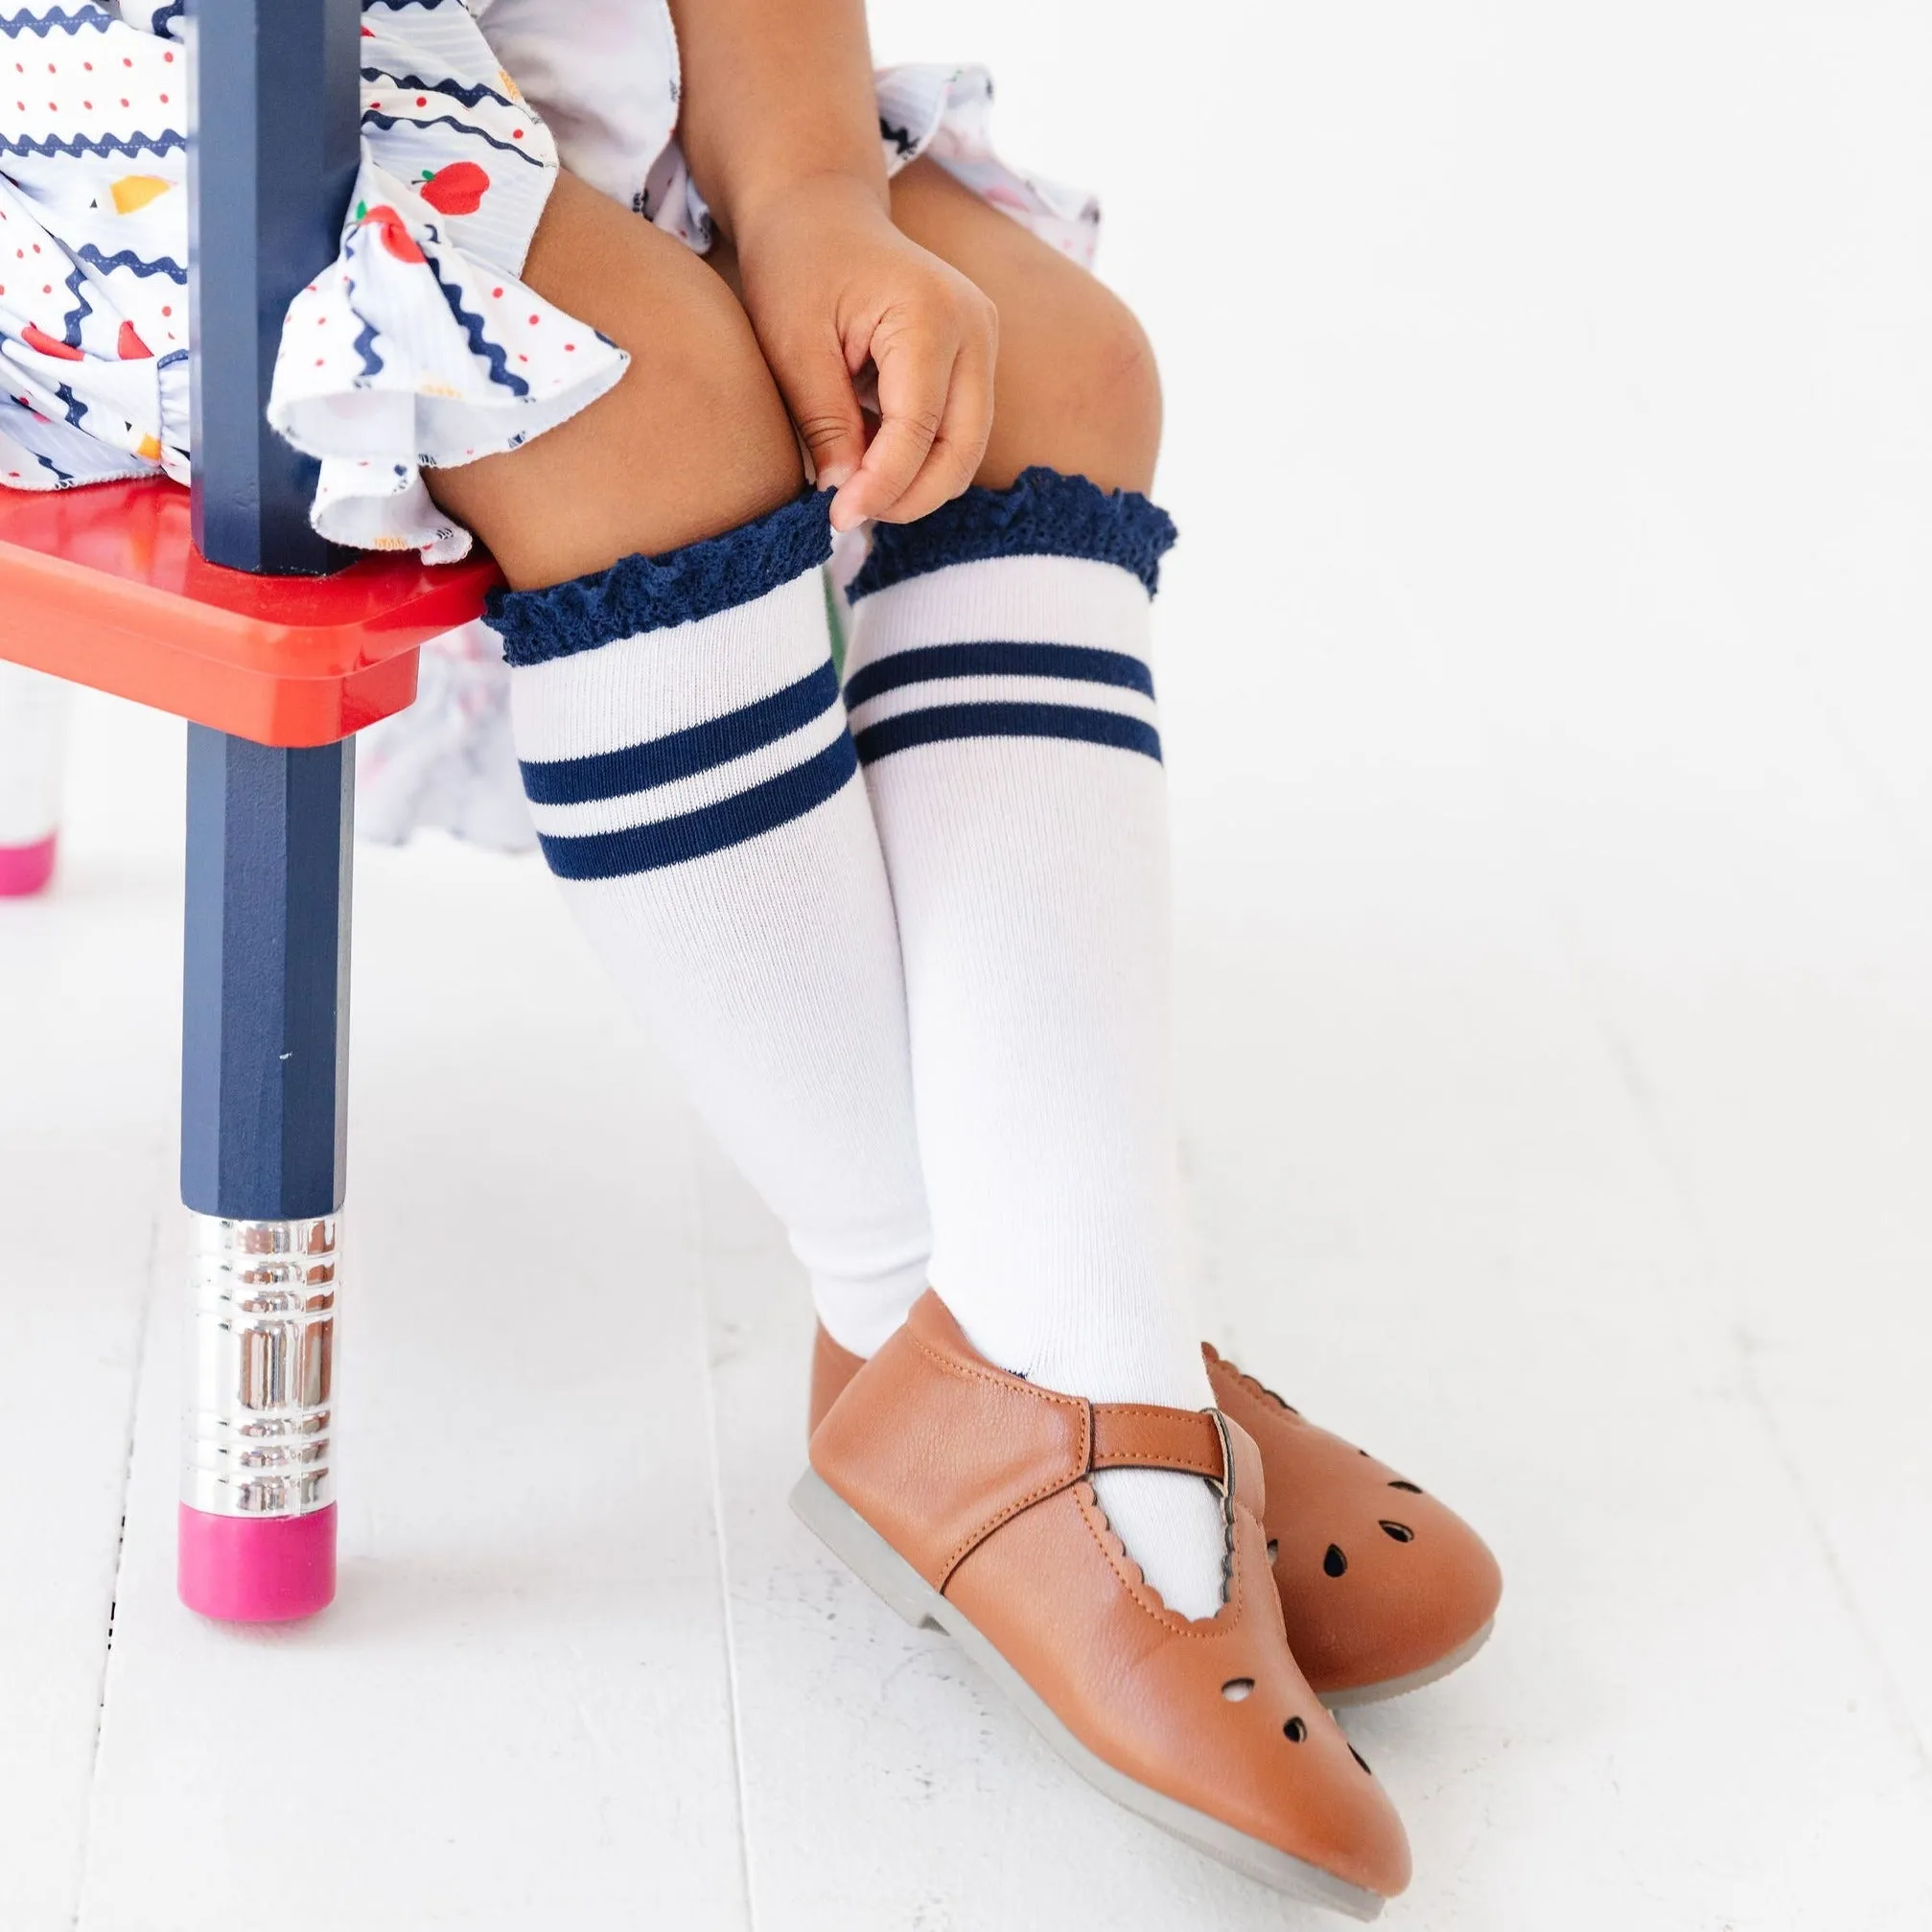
column 1273, row 1549
column 1400, row 1531
column 1295, row 1730
column 1335, row 1562
column 1236, row 1688
column 1413, row 1488
column 1359, row 1758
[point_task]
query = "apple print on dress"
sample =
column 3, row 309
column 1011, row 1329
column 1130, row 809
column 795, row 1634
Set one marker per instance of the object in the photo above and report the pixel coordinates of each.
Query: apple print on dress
column 394, row 231
column 455, row 190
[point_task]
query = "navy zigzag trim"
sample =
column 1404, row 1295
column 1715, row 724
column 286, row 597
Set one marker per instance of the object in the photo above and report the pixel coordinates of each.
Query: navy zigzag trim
column 711, row 828
column 943, row 722
column 493, row 354
column 173, row 142
column 166, row 17
column 682, row 754
column 125, row 258
column 76, row 287
column 75, row 407
column 98, row 18
column 468, row 96
column 364, row 344
column 1076, row 662
column 370, row 118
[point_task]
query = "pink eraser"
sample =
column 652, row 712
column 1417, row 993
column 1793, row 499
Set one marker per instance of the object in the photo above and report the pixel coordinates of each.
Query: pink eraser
column 25, row 869
column 256, row 1569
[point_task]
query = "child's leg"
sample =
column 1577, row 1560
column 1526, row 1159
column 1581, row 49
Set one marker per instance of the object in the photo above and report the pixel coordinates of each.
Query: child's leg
column 686, row 757
column 1003, row 710
column 1076, row 385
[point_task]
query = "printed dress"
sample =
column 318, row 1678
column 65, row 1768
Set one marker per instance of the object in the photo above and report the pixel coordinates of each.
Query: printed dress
column 419, row 347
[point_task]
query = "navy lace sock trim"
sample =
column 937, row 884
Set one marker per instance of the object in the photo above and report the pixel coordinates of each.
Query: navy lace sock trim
column 1045, row 514
column 649, row 594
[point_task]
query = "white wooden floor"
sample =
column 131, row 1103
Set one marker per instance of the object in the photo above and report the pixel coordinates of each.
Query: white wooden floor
column 1550, row 723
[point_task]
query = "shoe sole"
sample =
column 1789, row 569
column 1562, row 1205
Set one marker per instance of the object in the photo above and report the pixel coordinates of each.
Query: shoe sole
column 1401, row 1687
column 878, row 1565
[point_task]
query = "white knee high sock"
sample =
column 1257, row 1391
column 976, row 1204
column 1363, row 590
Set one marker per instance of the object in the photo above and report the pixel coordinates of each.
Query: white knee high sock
column 694, row 786
column 1001, row 702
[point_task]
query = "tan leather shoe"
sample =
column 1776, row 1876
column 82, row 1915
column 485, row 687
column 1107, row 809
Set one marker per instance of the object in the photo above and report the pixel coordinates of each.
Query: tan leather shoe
column 1382, row 1588
column 960, row 1494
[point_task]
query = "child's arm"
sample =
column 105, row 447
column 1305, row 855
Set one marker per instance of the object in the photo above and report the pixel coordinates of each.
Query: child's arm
column 778, row 124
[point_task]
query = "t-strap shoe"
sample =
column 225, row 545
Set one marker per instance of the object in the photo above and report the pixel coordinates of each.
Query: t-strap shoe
column 1382, row 1588
column 961, row 1495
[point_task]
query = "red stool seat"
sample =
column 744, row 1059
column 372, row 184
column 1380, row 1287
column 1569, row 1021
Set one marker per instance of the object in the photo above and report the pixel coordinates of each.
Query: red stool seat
column 104, row 587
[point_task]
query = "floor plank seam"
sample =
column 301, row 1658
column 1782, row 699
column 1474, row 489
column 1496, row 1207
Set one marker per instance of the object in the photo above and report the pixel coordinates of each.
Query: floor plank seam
column 732, row 1688
column 150, row 1274
column 1841, row 1584
column 1870, row 776
column 1626, row 1060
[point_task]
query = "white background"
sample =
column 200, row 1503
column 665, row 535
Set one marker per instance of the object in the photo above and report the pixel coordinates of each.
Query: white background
column 1547, row 704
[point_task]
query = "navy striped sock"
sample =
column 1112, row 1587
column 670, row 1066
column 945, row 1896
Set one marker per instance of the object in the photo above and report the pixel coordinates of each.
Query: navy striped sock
column 693, row 783
column 1002, row 709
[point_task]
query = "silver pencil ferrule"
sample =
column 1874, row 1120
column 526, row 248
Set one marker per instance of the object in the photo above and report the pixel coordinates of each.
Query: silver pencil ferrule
column 261, row 1349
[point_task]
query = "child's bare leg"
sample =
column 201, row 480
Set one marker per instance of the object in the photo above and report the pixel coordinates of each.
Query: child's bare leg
column 1003, row 705
column 693, row 441
column 1075, row 387
column 686, row 753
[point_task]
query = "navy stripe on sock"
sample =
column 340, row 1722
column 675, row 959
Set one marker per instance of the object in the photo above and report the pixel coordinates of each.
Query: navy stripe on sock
column 1074, row 662
column 942, row 722
column 711, row 828
column 682, row 755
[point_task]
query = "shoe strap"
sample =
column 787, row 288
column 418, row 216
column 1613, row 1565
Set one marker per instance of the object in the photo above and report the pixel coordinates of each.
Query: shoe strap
column 1142, row 1435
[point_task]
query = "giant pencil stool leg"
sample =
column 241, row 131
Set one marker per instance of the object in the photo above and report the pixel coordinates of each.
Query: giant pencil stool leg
column 264, row 1064
column 32, row 745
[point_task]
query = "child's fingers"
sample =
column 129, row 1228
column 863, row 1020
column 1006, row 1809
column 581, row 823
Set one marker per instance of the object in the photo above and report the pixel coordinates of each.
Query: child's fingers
column 954, row 457
column 914, row 372
column 818, row 391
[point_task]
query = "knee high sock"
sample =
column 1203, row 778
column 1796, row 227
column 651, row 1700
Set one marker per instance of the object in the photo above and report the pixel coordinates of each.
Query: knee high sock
column 696, row 790
column 1002, row 709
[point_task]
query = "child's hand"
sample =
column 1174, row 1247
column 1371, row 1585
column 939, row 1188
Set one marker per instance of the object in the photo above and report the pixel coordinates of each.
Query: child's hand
column 832, row 286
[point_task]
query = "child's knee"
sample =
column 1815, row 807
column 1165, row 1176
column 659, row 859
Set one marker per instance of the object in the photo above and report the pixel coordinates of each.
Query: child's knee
column 692, row 442
column 1117, row 396
column 1077, row 388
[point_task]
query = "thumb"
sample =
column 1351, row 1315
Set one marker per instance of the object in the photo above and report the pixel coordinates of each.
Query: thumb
column 824, row 410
